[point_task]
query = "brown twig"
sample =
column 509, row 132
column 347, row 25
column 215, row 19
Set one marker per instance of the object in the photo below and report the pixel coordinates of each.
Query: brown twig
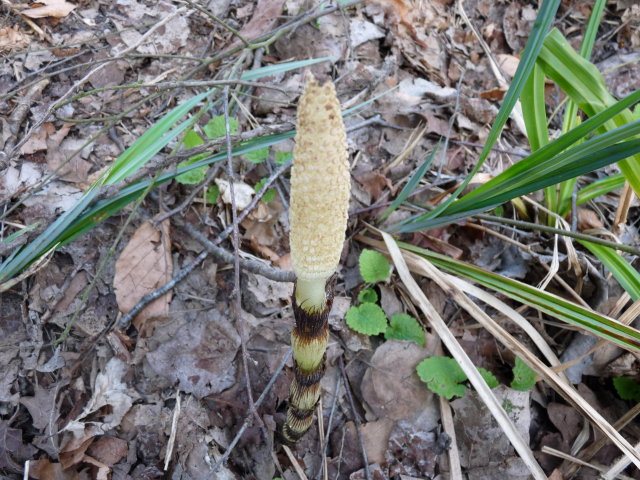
column 356, row 419
column 17, row 118
column 236, row 252
column 223, row 256
column 249, row 418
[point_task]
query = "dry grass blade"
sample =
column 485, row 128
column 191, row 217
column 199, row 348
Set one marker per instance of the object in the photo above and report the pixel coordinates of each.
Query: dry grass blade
column 424, row 267
column 461, row 357
column 509, row 312
column 294, row 463
column 617, row 468
column 455, row 469
column 589, row 452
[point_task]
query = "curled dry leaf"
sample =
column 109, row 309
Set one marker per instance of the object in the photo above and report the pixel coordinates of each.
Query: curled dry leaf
column 242, row 192
column 144, row 265
column 50, row 8
column 109, row 390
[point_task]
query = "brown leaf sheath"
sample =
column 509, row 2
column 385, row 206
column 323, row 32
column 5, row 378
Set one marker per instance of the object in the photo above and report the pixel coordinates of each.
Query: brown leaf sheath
column 309, row 338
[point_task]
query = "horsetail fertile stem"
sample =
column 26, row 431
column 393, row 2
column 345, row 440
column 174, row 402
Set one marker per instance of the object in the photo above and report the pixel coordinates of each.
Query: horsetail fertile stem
column 320, row 185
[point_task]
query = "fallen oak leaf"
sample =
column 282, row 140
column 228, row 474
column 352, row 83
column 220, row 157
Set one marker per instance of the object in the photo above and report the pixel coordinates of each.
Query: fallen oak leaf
column 49, row 8
column 144, row 265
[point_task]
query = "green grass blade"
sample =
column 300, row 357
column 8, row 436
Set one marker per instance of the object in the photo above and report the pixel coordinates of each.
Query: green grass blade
column 79, row 219
column 532, row 174
column 411, row 184
column 591, row 32
column 534, row 112
column 600, row 187
column 534, row 109
column 151, row 142
column 553, row 153
column 546, row 302
column 542, row 24
column 626, row 275
column 269, row 70
column 571, row 118
column 22, row 258
column 585, row 85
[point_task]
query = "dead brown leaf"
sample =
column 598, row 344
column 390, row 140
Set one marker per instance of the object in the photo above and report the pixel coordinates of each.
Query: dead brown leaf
column 11, row 38
column 391, row 386
column 199, row 354
column 45, row 470
column 588, row 220
column 49, row 8
column 438, row 245
column 13, row 452
column 38, row 141
column 109, row 450
column 72, row 452
column 265, row 15
column 144, row 265
column 508, row 63
column 41, row 406
column 374, row 182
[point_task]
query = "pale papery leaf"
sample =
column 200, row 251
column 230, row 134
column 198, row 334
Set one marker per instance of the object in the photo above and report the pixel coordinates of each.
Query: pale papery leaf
column 50, row 8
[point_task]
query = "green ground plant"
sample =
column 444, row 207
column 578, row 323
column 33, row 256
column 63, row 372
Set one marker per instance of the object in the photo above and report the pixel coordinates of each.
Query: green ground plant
column 368, row 318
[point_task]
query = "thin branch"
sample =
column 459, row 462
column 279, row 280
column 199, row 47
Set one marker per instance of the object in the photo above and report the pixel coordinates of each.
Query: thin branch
column 169, row 85
column 249, row 418
column 223, row 256
column 557, row 231
column 356, row 419
column 126, row 319
column 236, row 252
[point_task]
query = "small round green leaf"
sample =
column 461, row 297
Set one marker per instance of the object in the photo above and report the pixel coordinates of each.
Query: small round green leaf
column 443, row 376
column 489, row 377
column 627, row 388
column 283, row 157
column 523, row 377
column 216, row 128
column 194, row 176
column 257, row 156
column 192, row 139
column 367, row 318
column 212, row 194
column 374, row 267
column 269, row 195
column 368, row 295
column 405, row 327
